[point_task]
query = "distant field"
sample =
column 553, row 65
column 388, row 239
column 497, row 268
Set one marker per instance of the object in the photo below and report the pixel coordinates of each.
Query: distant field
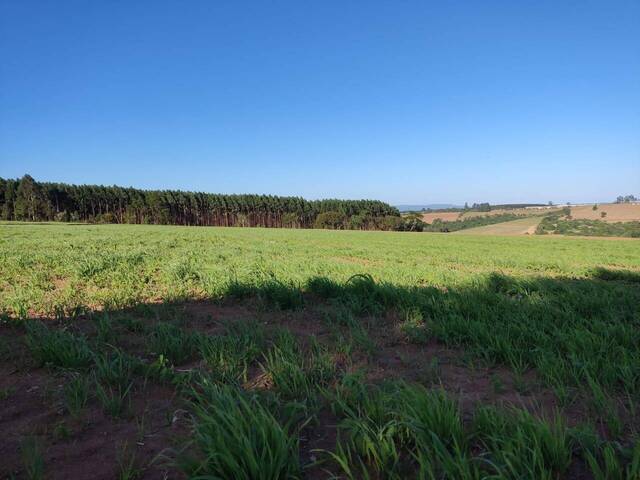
column 444, row 216
column 130, row 351
column 452, row 216
column 616, row 212
column 521, row 226
column 514, row 211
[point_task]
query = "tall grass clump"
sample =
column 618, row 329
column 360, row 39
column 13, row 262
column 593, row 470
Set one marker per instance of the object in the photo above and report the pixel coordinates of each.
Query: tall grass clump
column 115, row 400
column 611, row 464
column 236, row 437
column 105, row 332
column 76, row 394
column 173, row 343
column 298, row 374
column 32, row 457
column 114, row 368
column 113, row 375
column 519, row 445
column 436, row 437
column 370, row 436
column 229, row 356
column 281, row 295
column 58, row 348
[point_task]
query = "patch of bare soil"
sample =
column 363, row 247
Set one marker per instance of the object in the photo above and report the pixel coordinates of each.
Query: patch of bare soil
column 91, row 445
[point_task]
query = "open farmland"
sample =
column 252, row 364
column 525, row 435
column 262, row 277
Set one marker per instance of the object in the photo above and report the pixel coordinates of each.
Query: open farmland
column 453, row 216
column 184, row 352
column 444, row 216
column 615, row 212
column 514, row 211
column 522, row 226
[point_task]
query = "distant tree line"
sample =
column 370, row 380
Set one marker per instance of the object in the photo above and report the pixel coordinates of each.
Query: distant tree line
column 478, row 207
column 29, row 200
column 484, row 207
column 626, row 199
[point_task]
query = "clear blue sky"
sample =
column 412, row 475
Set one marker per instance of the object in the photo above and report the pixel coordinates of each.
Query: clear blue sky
column 407, row 102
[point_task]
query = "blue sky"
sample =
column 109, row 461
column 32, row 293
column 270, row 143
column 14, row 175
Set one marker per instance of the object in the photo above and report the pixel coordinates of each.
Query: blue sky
column 407, row 102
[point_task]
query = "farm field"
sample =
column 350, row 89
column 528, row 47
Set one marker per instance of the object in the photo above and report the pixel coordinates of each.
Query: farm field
column 523, row 226
column 131, row 351
column 515, row 211
column 444, row 216
column 453, row 216
column 615, row 212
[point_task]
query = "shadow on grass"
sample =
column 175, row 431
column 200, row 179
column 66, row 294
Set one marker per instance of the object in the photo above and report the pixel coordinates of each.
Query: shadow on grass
column 573, row 331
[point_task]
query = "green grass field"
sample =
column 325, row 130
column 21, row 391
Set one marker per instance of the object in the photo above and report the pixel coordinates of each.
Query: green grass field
column 54, row 268
column 273, row 353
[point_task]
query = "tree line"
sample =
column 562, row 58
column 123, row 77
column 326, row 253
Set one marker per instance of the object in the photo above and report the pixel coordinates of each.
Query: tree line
column 626, row 199
column 29, row 200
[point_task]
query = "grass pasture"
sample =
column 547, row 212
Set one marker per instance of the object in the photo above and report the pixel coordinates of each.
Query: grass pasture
column 178, row 352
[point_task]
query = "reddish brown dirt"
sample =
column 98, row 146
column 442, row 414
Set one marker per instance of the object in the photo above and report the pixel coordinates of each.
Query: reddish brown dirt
column 90, row 445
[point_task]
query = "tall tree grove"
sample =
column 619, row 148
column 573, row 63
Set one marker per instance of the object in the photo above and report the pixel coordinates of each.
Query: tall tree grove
column 29, row 200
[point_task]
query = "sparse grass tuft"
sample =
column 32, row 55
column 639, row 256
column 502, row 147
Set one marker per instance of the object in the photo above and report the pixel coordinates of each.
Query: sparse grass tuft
column 127, row 461
column 58, row 348
column 115, row 401
column 114, row 368
column 33, row 457
column 76, row 393
column 228, row 356
column 105, row 332
column 173, row 343
column 298, row 375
